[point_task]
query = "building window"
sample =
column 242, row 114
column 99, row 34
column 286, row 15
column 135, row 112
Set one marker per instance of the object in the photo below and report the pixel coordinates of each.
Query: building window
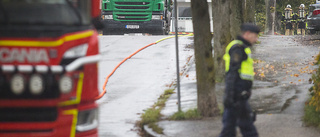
column 185, row 12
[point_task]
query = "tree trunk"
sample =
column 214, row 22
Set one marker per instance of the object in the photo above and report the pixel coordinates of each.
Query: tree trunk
column 236, row 17
column 267, row 16
column 207, row 103
column 222, row 36
column 270, row 16
column 274, row 16
column 248, row 10
column 227, row 18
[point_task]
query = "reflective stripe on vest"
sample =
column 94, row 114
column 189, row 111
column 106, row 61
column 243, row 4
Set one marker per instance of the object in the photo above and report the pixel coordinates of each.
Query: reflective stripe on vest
column 246, row 70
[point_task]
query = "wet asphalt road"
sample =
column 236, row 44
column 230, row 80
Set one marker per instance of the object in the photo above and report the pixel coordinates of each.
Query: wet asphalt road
column 137, row 84
column 280, row 95
column 283, row 66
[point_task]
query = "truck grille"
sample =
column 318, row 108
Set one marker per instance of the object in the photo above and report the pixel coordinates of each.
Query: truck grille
column 134, row 19
column 28, row 114
column 122, row 16
column 133, row 15
column 132, row 7
column 126, row 17
column 132, row 11
column 132, row 3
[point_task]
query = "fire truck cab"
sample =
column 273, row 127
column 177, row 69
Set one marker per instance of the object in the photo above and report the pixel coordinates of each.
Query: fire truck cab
column 48, row 68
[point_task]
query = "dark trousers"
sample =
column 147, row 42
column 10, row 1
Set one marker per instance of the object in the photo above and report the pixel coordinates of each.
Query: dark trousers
column 241, row 116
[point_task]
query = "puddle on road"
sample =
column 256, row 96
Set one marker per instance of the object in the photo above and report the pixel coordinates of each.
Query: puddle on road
column 288, row 102
column 274, row 98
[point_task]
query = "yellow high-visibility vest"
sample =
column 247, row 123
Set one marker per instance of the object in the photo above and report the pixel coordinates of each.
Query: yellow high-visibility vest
column 246, row 70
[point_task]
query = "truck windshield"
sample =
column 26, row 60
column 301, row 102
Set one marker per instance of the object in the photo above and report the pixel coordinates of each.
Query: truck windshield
column 45, row 12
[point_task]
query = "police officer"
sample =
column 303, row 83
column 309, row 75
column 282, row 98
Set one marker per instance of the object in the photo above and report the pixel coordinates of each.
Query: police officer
column 239, row 77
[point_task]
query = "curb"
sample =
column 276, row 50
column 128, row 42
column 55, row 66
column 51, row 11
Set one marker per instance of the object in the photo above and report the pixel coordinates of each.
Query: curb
column 151, row 133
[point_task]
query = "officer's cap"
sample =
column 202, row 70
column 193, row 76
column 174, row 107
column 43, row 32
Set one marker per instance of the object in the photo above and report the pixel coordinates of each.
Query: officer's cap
column 250, row 27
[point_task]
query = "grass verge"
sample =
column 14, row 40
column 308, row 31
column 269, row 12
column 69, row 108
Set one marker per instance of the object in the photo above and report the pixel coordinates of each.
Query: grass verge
column 258, row 42
column 311, row 116
column 191, row 114
column 152, row 115
column 221, row 108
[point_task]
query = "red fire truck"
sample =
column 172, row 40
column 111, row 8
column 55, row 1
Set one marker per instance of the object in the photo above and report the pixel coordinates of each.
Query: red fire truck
column 48, row 68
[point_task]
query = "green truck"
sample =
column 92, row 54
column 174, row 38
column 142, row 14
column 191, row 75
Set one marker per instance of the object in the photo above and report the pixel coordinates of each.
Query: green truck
column 136, row 16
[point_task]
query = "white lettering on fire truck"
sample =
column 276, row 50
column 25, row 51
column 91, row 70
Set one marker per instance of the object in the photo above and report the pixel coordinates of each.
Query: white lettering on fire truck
column 23, row 55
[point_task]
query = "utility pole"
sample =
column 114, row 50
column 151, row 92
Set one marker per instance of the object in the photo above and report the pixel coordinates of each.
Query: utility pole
column 177, row 52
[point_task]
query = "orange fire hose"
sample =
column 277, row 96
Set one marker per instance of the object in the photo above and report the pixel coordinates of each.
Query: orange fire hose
column 124, row 60
column 114, row 70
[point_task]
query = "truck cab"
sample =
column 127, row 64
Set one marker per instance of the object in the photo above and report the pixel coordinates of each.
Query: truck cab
column 48, row 68
column 136, row 16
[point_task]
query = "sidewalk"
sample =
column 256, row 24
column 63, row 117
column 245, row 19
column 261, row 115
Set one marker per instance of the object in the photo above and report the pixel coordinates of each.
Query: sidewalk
column 278, row 96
